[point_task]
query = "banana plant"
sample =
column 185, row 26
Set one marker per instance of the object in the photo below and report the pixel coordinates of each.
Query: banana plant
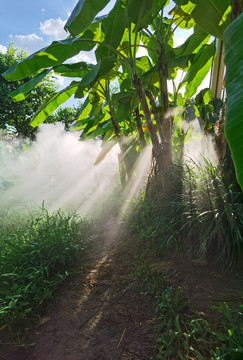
column 143, row 95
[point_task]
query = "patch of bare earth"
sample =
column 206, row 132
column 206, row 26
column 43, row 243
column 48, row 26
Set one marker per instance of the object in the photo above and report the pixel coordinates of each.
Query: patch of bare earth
column 99, row 313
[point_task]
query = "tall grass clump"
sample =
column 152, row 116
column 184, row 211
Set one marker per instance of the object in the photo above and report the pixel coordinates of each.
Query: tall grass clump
column 213, row 216
column 197, row 212
column 36, row 251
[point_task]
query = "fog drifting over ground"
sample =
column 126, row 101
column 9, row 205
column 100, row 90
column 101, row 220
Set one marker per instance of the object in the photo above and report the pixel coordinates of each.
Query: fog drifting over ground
column 58, row 169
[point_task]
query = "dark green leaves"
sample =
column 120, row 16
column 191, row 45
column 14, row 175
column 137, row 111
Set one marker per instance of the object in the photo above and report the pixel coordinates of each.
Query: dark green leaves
column 142, row 12
column 113, row 28
column 90, row 76
column 210, row 16
column 234, row 86
column 83, row 14
column 78, row 69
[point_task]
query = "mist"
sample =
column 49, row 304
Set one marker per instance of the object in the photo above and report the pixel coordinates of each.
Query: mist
column 199, row 145
column 58, row 170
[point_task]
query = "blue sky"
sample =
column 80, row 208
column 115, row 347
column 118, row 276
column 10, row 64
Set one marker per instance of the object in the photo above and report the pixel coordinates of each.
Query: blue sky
column 33, row 24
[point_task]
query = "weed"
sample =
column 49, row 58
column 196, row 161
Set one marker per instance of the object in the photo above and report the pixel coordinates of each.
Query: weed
column 231, row 334
column 36, row 251
column 198, row 212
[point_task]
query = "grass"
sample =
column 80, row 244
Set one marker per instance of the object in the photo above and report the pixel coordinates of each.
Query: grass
column 202, row 218
column 198, row 212
column 184, row 332
column 36, row 252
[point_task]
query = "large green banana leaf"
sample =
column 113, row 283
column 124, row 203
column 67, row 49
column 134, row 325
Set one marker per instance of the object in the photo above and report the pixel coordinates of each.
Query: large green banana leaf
column 212, row 16
column 83, row 14
column 54, row 54
column 234, row 87
column 23, row 91
column 199, row 69
column 52, row 103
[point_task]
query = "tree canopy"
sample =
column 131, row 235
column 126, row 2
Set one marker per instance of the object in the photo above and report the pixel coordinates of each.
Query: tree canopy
column 17, row 115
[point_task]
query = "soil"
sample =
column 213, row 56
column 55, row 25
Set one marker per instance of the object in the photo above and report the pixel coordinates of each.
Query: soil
column 100, row 312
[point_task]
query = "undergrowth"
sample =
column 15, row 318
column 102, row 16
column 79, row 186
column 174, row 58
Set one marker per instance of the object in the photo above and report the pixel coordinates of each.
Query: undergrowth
column 197, row 212
column 202, row 218
column 186, row 333
column 36, row 252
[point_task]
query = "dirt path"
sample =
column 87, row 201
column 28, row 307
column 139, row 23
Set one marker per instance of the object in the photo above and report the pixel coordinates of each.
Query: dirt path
column 99, row 313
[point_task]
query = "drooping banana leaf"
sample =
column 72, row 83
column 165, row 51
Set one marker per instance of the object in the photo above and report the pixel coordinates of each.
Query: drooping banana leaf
column 113, row 27
column 51, row 104
column 83, row 15
column 199, row 69
column 142, row 12
column 212, row 16
column 78, row 69
column 23, row 91
column 54, row 54
column 234, row 87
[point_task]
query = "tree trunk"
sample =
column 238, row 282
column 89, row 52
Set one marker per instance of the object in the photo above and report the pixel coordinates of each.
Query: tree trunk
column 153, row 134
column 124, row 155
column 155, row 113
column 140, row 129
column 165, row 119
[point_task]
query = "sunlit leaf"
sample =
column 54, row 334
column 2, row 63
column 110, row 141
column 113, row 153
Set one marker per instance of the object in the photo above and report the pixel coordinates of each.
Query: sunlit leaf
column 199, row 69
column 53, row 55
column 23, row 91
column 83, row 14
column 52, row 103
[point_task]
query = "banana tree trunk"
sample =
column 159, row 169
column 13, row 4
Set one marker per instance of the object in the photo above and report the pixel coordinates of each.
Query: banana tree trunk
column 140, row 129
column 123, row 149
column 165, row 119
column 218, row 71
column 153, row 134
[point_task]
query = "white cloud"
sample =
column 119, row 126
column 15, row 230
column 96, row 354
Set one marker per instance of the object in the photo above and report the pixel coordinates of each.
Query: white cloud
column 54, row 28
column 85, row 56
column 3, row 49
column 61, row 81
column 43, row 10
column 29, row 43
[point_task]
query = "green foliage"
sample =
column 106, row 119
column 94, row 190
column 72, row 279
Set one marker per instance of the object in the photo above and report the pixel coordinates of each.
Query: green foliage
column 52, row 103
column 36, row 251
column 212, row 16
column 231, row 333
column 213, row 216
column 234, row 86
column 66, row 115
column 183, row 333
column 83, row 14
column 116, row 37
column 199, row 69
column 201, row 213
column 53, row 55
column 14, row 114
